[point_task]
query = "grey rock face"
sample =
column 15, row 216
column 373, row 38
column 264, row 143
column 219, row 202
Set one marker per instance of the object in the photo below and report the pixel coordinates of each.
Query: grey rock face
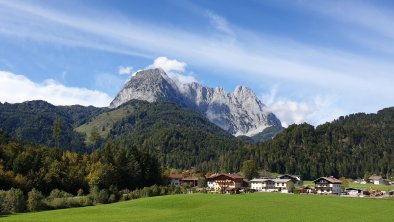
column 240, row 112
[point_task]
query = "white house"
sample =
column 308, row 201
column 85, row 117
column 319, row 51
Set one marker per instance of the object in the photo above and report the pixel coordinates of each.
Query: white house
column 328, row 185
column 272, row 185
column 378, row 180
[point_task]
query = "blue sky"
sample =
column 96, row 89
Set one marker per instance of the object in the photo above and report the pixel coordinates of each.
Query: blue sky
column 309, row 61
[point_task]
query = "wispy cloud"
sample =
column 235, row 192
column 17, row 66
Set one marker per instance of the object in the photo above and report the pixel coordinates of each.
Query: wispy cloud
column 219, row 22
column 49, row 90
column 256, row 56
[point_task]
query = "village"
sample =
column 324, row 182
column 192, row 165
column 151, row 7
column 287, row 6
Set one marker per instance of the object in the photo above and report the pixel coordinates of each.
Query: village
column 231, row 183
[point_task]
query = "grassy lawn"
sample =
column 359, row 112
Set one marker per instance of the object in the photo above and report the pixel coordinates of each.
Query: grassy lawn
column 215, row 207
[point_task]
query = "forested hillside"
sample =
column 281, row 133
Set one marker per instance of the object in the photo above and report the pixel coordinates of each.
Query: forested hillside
column 353, row 146
column 26, row 166
column 180, row 138
column 34, row 122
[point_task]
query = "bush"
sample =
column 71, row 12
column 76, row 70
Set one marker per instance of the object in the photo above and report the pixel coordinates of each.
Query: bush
column 85, row 201
column 103, row 196
column 112, row 198
column 14, row 201
column 56, row 193
column 35, row 200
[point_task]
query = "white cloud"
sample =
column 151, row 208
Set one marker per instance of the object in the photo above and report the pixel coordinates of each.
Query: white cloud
column 168, row 65
column 219, row 22
column 316, row 110
column 125, row 70
column 174, row 69
column 17, row 88
column 356, row 75
column 290, row 112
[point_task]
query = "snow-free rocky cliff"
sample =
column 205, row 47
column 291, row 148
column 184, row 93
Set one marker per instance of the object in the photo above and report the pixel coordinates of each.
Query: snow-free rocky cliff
column 240, row 112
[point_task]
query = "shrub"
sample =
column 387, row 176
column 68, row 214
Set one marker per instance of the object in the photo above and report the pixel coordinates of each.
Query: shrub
column 112, row 198
column 35, row 200
column 14, row 201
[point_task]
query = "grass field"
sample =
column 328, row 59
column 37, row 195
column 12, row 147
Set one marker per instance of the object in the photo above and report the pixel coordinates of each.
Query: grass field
column 215, row 207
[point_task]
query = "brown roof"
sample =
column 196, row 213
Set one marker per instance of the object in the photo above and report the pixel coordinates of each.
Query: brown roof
column 175, row 176
column 231, row 175
column 330, row 179
column 375, row 177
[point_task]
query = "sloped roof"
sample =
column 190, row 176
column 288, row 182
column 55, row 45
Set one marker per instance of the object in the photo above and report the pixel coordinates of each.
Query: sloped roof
column 231, row 175
column 375, row 177
column 175, row 176
column 190, row 179
column 273, row 180
column 329, row 179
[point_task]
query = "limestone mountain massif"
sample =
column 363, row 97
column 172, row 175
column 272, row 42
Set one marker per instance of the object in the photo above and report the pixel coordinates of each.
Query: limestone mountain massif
column 239, row 113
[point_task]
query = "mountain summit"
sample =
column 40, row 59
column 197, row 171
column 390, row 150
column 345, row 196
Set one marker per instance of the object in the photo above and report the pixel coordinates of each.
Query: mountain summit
column 240, row 112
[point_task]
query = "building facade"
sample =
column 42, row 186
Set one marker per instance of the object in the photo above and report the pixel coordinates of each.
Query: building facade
column 328, row 185
column 272, row 185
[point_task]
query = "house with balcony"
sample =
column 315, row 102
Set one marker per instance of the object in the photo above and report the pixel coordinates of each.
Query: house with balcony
column 328, row 185
column 225, row 183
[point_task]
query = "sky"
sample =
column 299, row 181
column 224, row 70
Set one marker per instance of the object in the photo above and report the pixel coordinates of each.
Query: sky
column 308, row 61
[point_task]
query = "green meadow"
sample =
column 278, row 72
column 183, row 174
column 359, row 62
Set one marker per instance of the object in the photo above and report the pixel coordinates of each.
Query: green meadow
column 216, row 207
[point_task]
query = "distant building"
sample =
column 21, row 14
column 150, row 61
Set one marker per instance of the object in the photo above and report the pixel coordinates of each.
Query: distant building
column 179, row 179
column 175, row 179
column 272, row 185
column 328, row 185
column 190, row 181
column 375, row 179
column 355, row 192
column 226, row 183
column 295, row 178
column 307, row 189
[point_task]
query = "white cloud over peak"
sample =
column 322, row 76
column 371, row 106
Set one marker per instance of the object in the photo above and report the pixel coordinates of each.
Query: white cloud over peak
column 18, row 88
column 168, row 65
column 174, row 69
column 125, row 70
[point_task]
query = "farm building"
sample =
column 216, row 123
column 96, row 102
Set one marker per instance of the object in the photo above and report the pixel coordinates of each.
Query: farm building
column 355, row 192
column 378, row 180
column 328, row 185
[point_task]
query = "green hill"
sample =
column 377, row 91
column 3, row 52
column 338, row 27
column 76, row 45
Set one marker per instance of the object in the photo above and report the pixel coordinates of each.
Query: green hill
column 33, row 122
column 209, row 207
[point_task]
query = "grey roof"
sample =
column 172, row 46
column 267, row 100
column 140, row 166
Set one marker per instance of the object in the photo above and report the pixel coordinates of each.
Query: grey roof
column 273, row 180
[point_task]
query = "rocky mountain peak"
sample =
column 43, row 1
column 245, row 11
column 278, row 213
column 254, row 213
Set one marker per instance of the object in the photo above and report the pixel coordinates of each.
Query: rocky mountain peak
column 240, row 112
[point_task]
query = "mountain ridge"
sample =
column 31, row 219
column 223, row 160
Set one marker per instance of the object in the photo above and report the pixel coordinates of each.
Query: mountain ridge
column 239, row 112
